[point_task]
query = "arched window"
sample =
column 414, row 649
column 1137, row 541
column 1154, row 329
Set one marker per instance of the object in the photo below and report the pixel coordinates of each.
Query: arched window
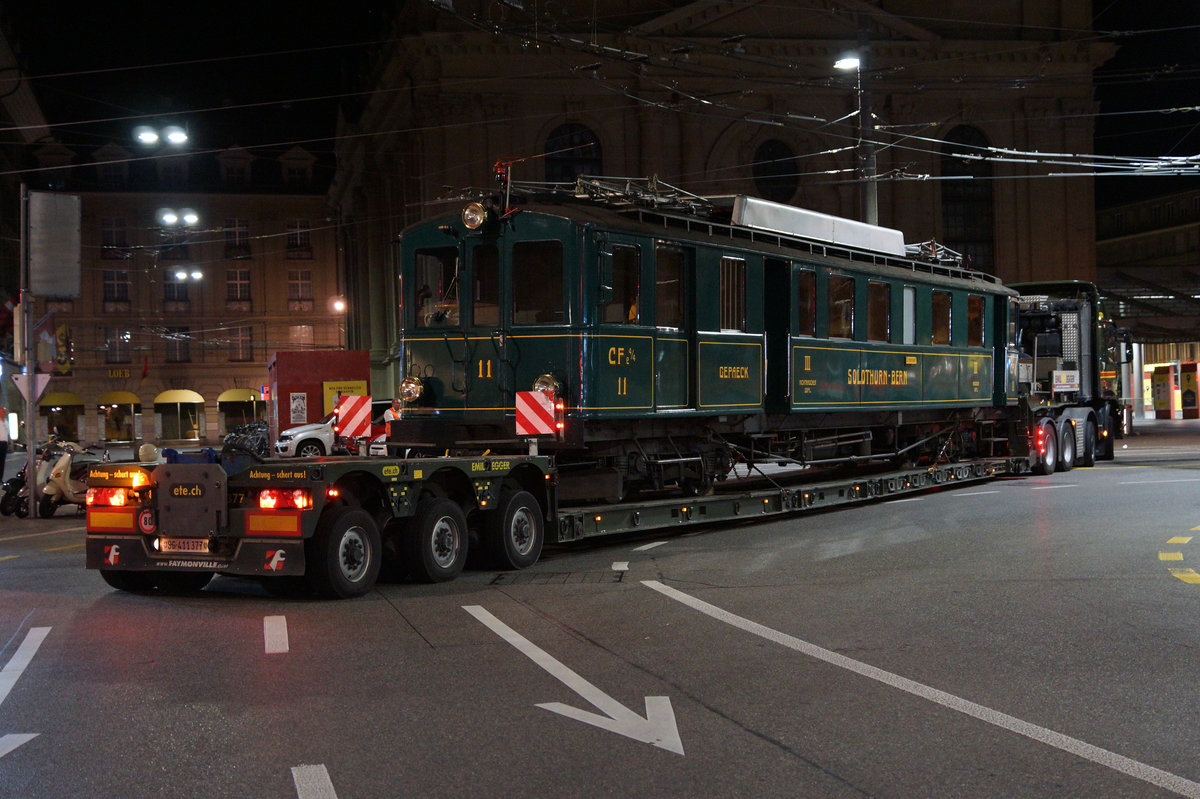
column 572, row 150
column 776, row 173
column 968, row 213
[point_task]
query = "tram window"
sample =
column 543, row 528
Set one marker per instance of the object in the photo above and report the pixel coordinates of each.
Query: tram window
column 806, row 302
column 668, row 287
column 538, row 283
column 941, row 317
column 910, row 315
column 974, row 321
column 435, row 275
column 841, row 306
column 733, row 294
column 879, row 311
column 485, row 285
column 623, row 306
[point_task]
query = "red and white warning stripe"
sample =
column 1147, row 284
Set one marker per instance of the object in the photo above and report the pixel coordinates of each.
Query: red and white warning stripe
column 354, row 416
column 535, row 413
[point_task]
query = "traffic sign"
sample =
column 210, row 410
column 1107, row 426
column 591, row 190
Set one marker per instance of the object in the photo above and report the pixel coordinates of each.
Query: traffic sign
column 40, row 382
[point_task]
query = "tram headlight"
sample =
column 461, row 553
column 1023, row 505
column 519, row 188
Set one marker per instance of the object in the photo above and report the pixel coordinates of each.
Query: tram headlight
column 548, row 382
column 474, row 215
column 410, row 389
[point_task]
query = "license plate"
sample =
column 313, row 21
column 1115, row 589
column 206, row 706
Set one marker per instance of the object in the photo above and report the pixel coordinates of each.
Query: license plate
column 183, row 545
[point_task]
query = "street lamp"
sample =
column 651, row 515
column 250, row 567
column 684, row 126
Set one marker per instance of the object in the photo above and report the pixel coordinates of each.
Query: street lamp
column 868, row 191
column 171, row 134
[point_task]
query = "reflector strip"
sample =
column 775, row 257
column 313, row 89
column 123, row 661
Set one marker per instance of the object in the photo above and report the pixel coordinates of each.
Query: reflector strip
column 114, row 520
column 283, row 523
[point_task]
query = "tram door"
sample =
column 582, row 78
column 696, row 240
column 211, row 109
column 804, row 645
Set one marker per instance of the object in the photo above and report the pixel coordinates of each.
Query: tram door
column 674, row 309
column 622, row 352
column 487, row 375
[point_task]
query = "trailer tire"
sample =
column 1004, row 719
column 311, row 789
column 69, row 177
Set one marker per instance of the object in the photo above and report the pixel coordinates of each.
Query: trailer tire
column 345, row 554
column 437, row 541
column 132, row 582
column 1066, row 448
column 1088, row 457
column 514, row 532
column 1046, row 463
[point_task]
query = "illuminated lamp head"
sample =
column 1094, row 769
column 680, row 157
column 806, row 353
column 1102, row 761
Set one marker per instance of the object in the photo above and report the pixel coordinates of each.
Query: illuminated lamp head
column 474, row 216
column 548, row 383
column 411, row 389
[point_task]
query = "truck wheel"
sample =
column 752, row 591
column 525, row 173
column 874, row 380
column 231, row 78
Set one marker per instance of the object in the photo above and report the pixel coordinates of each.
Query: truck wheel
column 180, row 582
column 1047, row 462
column 344, row 555
column 438, row 540
column 133, row 582
column 514, row 531
column 1088, row 457
column 1066, row 449
column 310, row 449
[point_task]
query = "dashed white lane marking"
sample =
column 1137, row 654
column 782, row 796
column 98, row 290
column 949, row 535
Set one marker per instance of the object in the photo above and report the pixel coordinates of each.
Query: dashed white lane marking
column 1125, row 765
column 1053, row 488
column 312, row 782
column 651, row 545
column 973, row 493
column 621, row 566
column 275, row 634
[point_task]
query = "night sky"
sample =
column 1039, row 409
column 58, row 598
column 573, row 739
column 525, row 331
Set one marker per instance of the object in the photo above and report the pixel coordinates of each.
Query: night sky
column 294, row 60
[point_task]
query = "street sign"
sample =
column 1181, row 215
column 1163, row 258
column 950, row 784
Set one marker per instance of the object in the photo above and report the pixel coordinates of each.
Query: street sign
column 40, row 382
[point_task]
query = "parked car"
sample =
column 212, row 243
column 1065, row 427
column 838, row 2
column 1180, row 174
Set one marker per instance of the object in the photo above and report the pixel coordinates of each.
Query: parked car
column 307, row 440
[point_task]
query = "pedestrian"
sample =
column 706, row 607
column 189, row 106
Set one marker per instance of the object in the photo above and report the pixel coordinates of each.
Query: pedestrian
column 391, row 414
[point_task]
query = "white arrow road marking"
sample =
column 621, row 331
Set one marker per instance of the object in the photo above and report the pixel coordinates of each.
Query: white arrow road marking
column 312, row 782
column 1125, row 765
column 657, row 727
column 20, row 659
column 8, row 678
column 13, row 740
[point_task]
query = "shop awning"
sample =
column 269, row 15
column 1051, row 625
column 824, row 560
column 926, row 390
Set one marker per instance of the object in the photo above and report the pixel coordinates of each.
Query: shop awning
column 177, row 395
column 118, row 398
column 239, row 395
column 59, row 398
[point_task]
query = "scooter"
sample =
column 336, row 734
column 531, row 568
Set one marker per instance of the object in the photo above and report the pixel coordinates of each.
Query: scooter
column 66, row 483
column 19, row 502
column 11, row 491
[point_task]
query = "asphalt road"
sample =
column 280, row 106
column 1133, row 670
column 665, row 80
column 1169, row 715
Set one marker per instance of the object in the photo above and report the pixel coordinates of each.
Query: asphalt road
column 1031, row 637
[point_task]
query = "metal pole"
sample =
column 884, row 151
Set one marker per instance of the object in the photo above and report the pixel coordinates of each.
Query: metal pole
column 866, row 129
column 30, row 367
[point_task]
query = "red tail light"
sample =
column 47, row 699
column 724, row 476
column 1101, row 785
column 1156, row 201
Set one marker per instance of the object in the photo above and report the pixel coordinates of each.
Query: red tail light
column 284, row 499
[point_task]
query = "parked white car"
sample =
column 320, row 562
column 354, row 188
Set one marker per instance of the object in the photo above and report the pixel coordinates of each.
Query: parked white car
column 307, row 440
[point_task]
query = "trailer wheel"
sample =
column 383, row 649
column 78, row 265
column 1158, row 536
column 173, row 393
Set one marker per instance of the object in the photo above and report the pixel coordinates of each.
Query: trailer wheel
column 1066, row 449
column 180, row 582
column 1046, row 463
column 514, row 532
column 1088, row 457
column 344, row 555
column 437, row 540
column 133, row 582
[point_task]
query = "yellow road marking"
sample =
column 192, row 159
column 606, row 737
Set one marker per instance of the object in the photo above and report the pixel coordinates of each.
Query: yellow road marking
column 1180, row 539
column 77, row 546
column 1187, row 575
column 9, row 557
column 1170, row 556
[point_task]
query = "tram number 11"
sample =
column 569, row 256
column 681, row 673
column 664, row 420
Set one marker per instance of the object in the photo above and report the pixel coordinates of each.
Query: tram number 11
column 485, row 369
column 622, row 386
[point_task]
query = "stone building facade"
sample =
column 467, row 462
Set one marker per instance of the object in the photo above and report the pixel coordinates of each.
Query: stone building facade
column 734, row 98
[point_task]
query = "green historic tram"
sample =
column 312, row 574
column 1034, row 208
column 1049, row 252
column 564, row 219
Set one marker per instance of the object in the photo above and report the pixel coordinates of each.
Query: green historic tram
column 683, row 333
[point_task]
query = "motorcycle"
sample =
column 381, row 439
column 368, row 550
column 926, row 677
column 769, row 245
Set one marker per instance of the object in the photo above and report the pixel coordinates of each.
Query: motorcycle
column 11, row 491
column 66, row 481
